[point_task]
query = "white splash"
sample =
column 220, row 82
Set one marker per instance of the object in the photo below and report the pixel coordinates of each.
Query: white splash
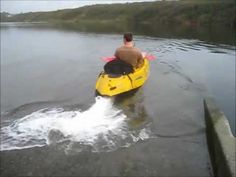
column 101, row 126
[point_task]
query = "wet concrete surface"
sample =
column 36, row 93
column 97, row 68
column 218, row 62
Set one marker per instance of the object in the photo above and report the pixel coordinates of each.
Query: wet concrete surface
column 169, row 158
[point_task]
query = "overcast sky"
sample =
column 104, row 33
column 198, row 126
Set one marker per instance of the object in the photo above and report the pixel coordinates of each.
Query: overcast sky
column 19, row 6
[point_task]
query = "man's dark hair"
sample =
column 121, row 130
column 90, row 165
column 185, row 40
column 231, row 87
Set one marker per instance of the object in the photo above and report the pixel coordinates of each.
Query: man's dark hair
column 128, row 37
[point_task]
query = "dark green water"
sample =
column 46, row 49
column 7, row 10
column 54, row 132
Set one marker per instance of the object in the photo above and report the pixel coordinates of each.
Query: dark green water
column 211, row 34
column 160, row 129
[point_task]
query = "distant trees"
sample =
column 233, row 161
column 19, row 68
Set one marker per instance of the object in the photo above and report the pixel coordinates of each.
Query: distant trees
column 183, row 12
column 4, row 16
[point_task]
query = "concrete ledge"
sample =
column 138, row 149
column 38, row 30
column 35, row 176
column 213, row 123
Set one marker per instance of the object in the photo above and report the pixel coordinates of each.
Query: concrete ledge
column 221, row 142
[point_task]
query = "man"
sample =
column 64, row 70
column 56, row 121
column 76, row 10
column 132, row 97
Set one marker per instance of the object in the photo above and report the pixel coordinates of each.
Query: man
column 128, row 53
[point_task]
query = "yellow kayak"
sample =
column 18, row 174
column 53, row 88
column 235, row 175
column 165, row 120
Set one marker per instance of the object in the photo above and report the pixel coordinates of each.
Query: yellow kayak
column 110, row 85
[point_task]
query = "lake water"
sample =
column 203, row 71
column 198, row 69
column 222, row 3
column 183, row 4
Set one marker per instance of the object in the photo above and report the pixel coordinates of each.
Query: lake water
column 52, row 124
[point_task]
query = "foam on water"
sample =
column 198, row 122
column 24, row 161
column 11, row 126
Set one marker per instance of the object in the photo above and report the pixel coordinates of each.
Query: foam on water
column 102, row 127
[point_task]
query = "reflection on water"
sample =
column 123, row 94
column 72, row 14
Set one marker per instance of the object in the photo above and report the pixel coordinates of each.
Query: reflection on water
column 212, row 34
column 48, row 78
column 64, row 57
column 132, row 103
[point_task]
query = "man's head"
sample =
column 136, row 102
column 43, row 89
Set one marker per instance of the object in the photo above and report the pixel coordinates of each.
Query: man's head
column 128, row 37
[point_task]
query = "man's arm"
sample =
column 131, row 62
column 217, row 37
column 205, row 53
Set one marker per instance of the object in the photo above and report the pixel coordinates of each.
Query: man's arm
column 144, row 54
column 116, row 53
column 141, row 57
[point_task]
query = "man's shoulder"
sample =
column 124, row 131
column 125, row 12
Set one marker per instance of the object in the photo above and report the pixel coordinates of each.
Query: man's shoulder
column 118, row 51
column 133, row 49
column 119, row 48
column 137, row 49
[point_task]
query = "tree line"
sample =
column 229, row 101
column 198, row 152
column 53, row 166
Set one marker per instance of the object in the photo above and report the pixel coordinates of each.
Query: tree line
column 185, row 12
